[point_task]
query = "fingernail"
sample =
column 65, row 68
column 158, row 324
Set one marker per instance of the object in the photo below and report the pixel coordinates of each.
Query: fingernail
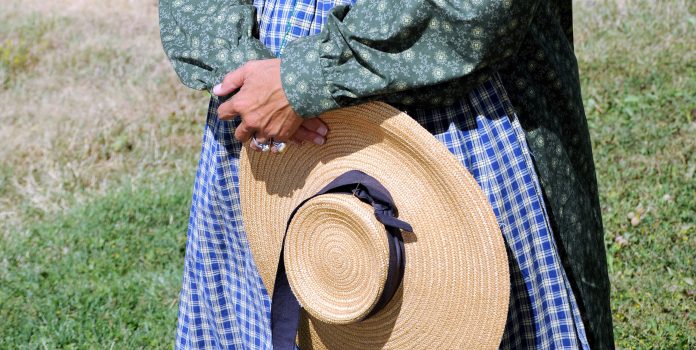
column 322, row 130
column 217, row 89
column 319, row 140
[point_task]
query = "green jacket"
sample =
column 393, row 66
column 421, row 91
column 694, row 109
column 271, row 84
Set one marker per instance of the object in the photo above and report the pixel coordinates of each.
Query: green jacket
column 430, row 53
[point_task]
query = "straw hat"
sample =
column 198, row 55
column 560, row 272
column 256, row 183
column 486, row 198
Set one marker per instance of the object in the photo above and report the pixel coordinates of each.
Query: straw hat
column 455, row 286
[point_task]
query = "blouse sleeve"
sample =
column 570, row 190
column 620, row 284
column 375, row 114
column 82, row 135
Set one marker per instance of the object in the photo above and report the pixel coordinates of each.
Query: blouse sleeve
column 206, row 39
column 427, row 52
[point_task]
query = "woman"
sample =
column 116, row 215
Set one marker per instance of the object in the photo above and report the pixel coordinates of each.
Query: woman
column 495, row 81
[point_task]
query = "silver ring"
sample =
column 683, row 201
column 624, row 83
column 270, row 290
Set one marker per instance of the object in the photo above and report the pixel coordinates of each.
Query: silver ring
column 264, row 147
column 280, row 147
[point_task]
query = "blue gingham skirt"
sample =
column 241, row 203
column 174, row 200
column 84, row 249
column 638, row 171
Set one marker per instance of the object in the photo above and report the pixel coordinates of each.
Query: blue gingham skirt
column 223, row 303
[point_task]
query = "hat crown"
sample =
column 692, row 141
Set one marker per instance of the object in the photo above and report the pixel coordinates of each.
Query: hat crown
column 337, row 258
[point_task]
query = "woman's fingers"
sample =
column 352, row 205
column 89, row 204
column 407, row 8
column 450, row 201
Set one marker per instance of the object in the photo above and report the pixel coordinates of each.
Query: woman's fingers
column 301, row 136
column 316, row 125
column 232, row 81
column 304, row 134
column 296, row 141
column 228, row 110
column 243, row 132
column 312, row 130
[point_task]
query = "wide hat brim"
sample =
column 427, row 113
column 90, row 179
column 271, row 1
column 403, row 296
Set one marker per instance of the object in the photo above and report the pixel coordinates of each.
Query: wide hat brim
column 455, row 289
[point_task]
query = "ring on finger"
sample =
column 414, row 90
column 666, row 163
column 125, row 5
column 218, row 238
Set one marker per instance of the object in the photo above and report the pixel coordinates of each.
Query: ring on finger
column 263, row 147
column 279, row 147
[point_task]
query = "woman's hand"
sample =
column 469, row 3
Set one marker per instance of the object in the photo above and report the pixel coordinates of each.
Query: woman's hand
column 265, row 111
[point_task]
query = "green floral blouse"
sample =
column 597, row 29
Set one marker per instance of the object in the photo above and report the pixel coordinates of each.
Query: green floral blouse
column 430, row 53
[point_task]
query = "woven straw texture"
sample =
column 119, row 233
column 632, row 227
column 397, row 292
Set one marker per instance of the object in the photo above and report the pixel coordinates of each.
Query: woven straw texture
column 455, row 290
column 337, row 258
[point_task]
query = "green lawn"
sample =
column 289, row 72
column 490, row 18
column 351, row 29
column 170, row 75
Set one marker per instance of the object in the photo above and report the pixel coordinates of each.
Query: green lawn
column 638, row 72
column 101, row 269
column 101, row 276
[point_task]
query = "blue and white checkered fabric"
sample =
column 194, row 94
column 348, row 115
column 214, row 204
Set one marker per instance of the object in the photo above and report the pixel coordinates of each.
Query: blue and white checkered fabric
column 223, row 303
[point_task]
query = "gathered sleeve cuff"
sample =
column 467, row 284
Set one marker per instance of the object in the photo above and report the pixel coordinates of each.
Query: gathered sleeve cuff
column 206, row 39
column 420, row 52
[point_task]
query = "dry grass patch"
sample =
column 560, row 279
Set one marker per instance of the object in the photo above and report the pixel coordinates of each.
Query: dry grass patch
column 88, row 98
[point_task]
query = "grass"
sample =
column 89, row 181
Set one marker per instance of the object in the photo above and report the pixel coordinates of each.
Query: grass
column 638, row 74
column 83, row 108
column 20, row 52
column 103, row 275
column 99, row 142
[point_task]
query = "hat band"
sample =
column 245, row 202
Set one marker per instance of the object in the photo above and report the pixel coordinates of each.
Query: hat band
column 285, row 309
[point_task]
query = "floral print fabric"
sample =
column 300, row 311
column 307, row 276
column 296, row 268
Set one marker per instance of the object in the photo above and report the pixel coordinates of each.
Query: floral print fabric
column 427, row 53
